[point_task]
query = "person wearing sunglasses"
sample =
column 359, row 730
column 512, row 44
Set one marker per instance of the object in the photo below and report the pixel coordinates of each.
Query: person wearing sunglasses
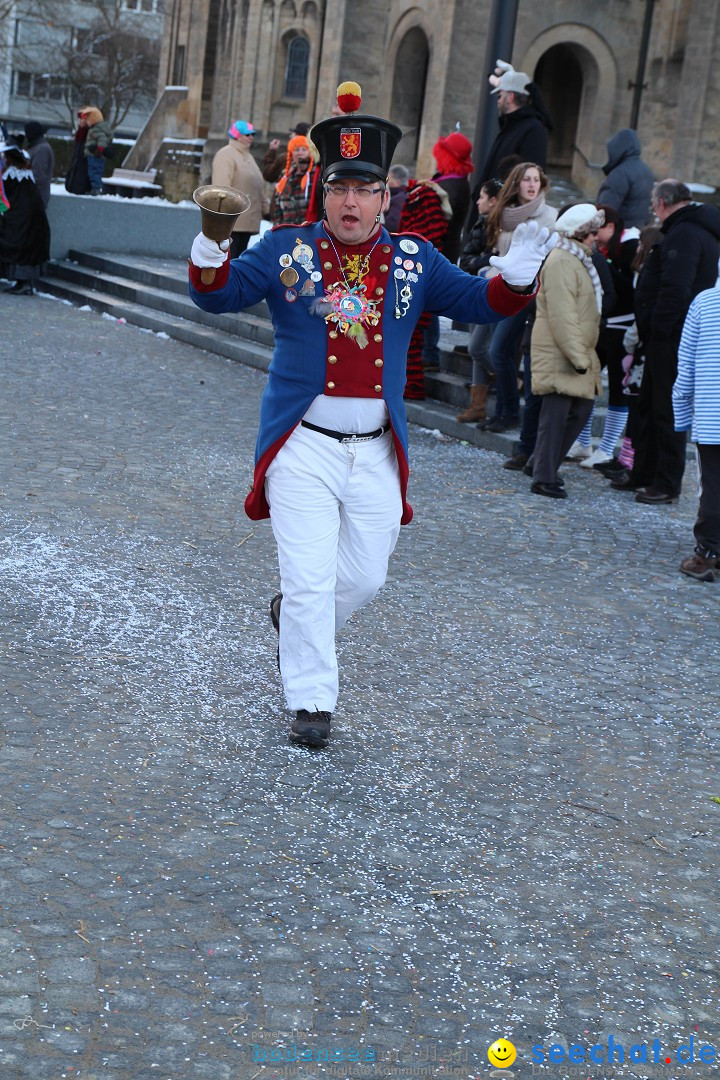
column 331, row 466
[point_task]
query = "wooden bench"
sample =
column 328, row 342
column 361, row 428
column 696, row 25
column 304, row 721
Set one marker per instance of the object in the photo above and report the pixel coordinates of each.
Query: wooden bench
column 132, row 183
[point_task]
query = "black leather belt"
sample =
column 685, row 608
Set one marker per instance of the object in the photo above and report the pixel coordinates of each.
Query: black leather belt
column 343, row 436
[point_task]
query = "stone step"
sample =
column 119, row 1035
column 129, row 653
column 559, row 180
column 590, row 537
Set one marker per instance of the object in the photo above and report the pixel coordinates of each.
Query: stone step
column 210, row 338
column 169, row 275
column 255, row 328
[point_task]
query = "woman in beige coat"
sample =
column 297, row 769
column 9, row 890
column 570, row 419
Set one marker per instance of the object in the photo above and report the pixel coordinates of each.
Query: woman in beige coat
column 565, row 366
column 234, row 166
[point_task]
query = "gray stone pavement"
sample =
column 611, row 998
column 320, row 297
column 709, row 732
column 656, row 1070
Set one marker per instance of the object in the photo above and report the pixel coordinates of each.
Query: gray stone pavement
column 527, row 847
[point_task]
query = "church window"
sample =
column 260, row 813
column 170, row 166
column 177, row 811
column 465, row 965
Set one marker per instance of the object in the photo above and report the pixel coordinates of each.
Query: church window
column 296, row 68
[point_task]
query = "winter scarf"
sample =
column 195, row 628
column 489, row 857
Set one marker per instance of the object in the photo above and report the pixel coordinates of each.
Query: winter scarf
column 581, row 253
column 512, row 216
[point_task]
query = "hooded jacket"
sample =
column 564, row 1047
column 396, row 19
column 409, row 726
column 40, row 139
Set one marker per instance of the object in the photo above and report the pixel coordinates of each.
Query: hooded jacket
column 681, row 265
column 99, row 135
column 629, row 182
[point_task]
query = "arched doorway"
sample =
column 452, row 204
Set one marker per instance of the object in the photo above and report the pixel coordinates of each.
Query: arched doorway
column 408, row 92
column 559, row 76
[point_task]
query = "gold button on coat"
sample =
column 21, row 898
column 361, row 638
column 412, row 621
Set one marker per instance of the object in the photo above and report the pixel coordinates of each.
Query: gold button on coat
column 379, row 291
column 332, row 359
column 378, row 389
column 324, row 245
column 377, row 337
column 378, row 363
column 331, row 386
column 384, row 268
column 327, row 266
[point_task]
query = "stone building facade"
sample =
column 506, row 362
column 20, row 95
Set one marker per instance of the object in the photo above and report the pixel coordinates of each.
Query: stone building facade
column 420, row 63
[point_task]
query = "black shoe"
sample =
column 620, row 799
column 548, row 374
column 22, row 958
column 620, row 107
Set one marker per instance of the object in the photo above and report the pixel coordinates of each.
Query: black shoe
column 654, row 497
column 275, row 619
column 516, row 463
column 311, row 728
column 499, row 423
column 21, row 288
column 625, row 481
column 552, row 491
column 610, row 469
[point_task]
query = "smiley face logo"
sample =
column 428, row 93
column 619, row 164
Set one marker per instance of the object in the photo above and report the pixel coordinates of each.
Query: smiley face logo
column 501, row 1054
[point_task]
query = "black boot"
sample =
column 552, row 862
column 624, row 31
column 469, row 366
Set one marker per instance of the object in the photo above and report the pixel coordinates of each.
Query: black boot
column 275, row 619
column 311, row 728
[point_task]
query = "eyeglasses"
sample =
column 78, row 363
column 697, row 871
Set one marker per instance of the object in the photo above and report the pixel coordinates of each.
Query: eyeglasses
column 340, row 191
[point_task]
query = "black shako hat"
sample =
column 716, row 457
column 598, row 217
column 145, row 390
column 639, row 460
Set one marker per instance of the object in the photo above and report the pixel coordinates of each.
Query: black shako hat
column 355, row 146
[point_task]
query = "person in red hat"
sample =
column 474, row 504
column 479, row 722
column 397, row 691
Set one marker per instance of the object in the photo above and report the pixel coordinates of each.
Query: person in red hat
column 453, row 157
column 331, row 464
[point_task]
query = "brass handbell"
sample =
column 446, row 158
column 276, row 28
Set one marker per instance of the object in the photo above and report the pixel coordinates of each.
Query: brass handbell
column 220, row 207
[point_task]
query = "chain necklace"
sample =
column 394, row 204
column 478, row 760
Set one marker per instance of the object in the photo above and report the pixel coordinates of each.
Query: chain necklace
column 350, row 308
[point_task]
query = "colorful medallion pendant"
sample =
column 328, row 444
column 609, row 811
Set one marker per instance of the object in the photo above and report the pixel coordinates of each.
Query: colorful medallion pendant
column 351, row 311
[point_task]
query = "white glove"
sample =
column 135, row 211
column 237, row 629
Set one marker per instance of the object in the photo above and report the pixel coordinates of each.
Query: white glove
column 501, row 66
column 528, row 250
column 206, row 252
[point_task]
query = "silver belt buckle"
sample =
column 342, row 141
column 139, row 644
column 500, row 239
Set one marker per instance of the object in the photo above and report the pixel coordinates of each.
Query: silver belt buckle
column 357, row 438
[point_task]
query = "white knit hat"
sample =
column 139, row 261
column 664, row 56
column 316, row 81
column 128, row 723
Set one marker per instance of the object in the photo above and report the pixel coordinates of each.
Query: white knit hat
column 583, row 218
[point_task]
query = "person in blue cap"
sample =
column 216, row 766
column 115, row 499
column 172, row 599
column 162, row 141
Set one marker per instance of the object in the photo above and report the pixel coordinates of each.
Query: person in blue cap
column 234, row 166
column 331, row 463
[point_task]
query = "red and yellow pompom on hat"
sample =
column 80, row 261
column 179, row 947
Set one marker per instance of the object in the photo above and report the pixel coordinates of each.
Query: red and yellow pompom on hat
column 354, row 144
column 349, row 96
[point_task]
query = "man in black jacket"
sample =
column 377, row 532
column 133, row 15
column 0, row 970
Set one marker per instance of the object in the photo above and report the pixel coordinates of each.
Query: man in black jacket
column 683, row 264
column 522, row 131
column 522, row 136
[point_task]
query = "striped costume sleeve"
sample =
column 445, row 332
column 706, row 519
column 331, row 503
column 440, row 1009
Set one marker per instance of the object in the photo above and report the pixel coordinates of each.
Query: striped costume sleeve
column 684, row 389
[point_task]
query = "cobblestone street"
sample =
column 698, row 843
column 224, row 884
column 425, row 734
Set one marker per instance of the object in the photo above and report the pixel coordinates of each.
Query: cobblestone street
column 525, row 848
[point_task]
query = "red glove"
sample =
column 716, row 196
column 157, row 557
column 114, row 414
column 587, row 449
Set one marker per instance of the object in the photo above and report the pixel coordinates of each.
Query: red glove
column 99, row 151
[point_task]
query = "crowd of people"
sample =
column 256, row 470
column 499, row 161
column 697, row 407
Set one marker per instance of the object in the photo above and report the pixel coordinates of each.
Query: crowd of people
column 610, row 310
column 27, row 167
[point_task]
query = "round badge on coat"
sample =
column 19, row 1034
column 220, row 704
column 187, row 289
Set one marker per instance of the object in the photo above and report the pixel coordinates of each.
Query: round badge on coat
column 290, row 296
column 399, row 273
column 409, row 247
column 409, row 264
column 302, row 253
column 316, row 276
column 285, row 260
column 289, row 276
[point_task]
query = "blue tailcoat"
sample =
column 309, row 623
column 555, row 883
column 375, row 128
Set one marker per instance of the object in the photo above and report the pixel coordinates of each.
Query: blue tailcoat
column 310, row 356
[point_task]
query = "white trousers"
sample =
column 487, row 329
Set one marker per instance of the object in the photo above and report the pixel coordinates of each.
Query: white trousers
column 335, row 511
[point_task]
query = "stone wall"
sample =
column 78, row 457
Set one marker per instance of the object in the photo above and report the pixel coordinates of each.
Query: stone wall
column 586, row 51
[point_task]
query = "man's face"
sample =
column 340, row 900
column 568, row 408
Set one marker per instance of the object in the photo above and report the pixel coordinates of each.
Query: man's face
column 506, row 102
column 352, row 216
column 660, row 210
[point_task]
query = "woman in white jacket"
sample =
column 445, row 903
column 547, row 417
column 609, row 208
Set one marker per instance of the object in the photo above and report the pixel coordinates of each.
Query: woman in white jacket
column 522, row 198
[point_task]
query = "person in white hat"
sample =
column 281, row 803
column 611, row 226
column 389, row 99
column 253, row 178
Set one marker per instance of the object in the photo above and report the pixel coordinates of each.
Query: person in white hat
column 565, row 365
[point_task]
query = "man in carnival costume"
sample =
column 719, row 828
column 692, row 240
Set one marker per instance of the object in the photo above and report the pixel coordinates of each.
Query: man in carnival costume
column 331, row 463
